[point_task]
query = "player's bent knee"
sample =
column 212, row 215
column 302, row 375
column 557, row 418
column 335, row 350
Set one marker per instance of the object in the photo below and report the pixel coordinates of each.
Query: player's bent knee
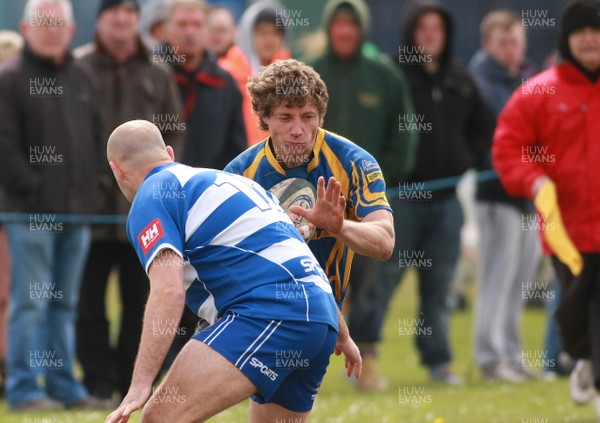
column 149, row 413
column 154, row 413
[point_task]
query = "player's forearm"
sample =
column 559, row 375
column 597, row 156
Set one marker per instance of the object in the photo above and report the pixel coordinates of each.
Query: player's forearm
column 372, row 239
column 161, row 317
column 161, row 320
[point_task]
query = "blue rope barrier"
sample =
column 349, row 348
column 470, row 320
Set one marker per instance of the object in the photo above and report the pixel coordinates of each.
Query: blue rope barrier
column 112, row 219
column 101, row 219
column 442, row 183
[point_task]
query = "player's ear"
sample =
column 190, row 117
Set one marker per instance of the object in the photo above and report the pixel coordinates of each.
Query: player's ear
column 117, row 171
column 170, row 152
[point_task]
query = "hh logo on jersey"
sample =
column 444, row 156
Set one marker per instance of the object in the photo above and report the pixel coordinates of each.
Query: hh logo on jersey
column 150, row 234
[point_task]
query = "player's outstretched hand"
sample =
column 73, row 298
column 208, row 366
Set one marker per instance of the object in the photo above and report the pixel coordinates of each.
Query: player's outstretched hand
column 134, row 400
column 351, row 353
column 328, row 212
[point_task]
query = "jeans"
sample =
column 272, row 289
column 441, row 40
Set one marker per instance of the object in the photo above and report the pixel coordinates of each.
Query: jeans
column 106, row 368
column 47, row 264
column 427, row 239
column 552, row 344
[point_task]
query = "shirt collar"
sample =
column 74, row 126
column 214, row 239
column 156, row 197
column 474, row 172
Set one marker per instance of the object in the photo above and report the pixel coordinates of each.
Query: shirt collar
column 310, row 166
column 159, row 168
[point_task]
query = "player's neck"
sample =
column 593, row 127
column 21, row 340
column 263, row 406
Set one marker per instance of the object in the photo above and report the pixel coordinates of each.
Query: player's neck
column 289, row 160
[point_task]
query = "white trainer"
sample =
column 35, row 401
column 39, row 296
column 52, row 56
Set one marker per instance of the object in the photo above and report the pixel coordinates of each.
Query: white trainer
column 581, row 382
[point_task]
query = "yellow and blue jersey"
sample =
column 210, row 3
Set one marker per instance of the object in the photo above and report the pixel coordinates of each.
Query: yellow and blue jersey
column 362, row 182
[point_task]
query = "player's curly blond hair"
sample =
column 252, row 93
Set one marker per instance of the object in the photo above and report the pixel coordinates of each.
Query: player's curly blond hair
column 288, row 82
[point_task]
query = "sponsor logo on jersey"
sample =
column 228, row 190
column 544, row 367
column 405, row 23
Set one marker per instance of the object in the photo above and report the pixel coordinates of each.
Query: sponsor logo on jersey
column 150, row 234
column 369, row 166
column 373, row 176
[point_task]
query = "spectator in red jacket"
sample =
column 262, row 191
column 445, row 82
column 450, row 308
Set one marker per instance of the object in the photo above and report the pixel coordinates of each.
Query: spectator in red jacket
column 546, row 148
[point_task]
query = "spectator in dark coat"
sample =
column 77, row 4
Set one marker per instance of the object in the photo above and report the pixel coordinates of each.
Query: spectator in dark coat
column 11, row 44
column 132, row 87
column 49, row 136
column 366, row 97
column 215, row 131
column 212, row 100
column 454, row 128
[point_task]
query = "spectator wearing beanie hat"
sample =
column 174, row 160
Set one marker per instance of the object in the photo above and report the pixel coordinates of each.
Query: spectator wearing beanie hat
column 107, row 4
column 545, row 148
column 580, row 17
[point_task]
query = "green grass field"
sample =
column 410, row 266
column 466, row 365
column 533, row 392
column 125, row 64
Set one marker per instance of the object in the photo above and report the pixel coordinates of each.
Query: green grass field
column 410, row 398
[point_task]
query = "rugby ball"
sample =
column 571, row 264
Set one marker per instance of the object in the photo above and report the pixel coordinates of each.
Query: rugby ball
column 297, row 192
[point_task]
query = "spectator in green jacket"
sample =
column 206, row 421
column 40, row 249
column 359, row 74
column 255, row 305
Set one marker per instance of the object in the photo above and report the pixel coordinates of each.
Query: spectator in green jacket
column 366, row 97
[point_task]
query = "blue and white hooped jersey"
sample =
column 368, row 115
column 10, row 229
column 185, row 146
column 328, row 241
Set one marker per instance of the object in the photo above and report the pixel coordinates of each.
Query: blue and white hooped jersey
column 248, row 256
